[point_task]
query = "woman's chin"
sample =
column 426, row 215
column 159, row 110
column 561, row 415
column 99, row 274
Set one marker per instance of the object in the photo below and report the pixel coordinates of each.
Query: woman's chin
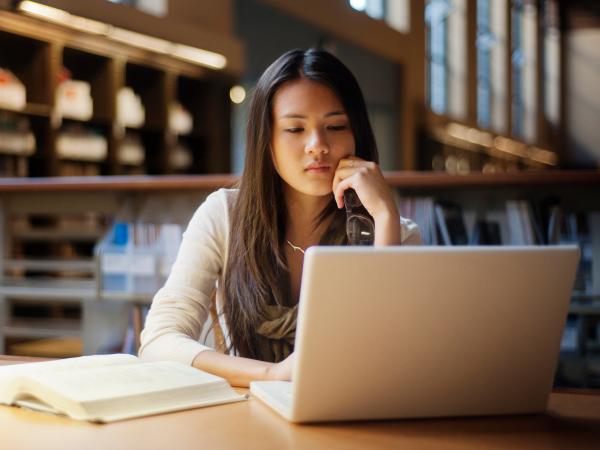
column 326, row 191
column 313, row 187
column 313, row 191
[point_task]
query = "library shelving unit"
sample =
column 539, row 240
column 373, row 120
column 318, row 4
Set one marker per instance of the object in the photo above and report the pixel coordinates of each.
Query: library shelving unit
column 40, row 54
column 47, row 243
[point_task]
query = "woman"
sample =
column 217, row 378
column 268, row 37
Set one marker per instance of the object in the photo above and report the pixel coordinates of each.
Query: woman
column 308, row 137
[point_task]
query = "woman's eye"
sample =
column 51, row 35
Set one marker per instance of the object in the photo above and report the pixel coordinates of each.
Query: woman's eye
column 337, row 127
column 294, row 130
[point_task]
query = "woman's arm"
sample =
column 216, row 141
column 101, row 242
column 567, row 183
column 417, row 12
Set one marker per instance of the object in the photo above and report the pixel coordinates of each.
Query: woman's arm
column 181, row 307
column 388, row 230
column 391, row 229
column 240, row 371
column 366, row 178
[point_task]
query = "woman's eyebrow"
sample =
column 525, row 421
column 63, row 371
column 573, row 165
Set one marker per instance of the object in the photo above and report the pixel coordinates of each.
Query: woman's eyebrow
column 300, row 116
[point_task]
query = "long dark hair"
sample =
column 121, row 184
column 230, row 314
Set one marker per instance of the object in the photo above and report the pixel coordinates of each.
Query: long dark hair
column 257, row 274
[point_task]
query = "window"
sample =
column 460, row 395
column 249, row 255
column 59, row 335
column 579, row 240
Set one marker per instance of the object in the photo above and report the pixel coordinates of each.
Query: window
column 155, row 7
column 551, row 53
column 436, row 18
column 524, row 41
column 374, row 8
column 396, row 13
column 491, row 64
column 485, row 41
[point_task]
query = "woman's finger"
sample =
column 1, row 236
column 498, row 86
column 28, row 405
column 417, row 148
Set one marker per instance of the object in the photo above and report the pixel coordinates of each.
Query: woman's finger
column 346, row 183
column 350, row 161
column 342, row 174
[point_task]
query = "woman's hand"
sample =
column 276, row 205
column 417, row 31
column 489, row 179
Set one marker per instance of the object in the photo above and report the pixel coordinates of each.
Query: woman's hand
column 282, row 371
column 366, row 179
column 239, row 371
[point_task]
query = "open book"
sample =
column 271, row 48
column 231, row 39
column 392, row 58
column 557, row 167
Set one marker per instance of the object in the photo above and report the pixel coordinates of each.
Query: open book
column 106, row 388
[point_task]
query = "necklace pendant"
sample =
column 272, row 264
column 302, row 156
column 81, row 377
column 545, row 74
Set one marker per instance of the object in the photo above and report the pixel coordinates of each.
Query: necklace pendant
column 295, row 247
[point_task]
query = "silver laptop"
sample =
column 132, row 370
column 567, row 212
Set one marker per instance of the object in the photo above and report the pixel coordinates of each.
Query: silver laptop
column 410, row 332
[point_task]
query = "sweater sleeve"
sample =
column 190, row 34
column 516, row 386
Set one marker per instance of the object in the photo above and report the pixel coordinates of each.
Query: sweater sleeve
column 411, row 235
column 179, row 309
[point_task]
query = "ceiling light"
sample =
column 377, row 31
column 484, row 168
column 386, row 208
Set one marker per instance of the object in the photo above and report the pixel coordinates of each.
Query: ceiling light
column 184, row 52
column 139, row 40
column 237, row 94
column 199, row 56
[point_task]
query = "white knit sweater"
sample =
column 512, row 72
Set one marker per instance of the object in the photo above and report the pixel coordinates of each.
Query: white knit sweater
column 180, row 310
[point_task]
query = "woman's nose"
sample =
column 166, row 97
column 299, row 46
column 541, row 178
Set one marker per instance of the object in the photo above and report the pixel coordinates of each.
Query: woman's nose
column 317, row 143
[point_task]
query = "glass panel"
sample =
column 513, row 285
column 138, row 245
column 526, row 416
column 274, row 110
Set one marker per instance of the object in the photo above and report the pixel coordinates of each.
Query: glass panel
column 524, row 39
column 358, row 5
column 398, row 15
column 457, row 60
column 491, row 64
column 375, row 9
column 551, row 62
column 436, row 17
column 156, row 7
column 498, row 66
column 485, row 41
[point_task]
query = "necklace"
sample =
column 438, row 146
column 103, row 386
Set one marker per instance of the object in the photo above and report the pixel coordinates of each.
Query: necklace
column 295, row 247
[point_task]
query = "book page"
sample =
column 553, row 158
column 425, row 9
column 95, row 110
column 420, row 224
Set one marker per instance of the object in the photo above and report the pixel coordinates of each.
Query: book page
column 117, row 381
column 36, row 405
column 10, row 372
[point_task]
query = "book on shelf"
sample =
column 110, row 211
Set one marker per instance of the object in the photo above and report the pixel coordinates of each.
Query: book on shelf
column 422, row 211
column 450, row 219
column 12, row 91
column 16, row 137
column 518, row 223
column 486, row 232
column 73, row 98
column 79, row 143
column 130, row 109
column 592, row 254
column 108, row 388
column 571, row 335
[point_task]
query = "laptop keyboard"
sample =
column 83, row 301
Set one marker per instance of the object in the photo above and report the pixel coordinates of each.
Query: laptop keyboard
column 280, row 391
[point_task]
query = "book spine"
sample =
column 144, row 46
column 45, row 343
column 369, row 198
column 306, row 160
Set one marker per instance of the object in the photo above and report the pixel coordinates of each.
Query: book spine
column 594, row 224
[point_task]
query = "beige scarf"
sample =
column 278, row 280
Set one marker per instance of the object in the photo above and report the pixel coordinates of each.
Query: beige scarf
column 277, row 333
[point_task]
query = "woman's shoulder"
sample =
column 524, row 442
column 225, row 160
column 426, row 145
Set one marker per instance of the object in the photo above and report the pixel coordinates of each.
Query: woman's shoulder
column 214, row 210
column 212, row 217
column 220, row 200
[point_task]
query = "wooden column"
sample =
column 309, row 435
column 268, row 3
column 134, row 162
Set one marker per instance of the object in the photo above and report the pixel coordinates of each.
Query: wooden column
column 412, row 88
column 55, row 62
column 169, row 139
column 116, row 80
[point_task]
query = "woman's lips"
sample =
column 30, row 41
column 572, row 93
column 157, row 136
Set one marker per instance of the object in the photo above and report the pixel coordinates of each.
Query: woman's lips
column 316, row 167
column 321, row 169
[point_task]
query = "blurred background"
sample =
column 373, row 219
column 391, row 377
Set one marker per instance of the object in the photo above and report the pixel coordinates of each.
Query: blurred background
column 117, row 118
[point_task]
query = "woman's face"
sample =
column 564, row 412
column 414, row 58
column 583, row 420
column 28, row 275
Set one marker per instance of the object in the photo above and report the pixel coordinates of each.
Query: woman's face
column 311, row 133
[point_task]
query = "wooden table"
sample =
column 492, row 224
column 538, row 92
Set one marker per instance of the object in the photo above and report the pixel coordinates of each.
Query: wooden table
column 571, row 422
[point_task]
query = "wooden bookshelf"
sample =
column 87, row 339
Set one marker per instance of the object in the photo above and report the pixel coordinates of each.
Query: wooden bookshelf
column 497, row 180
column 36, row 52
column 397, row 179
